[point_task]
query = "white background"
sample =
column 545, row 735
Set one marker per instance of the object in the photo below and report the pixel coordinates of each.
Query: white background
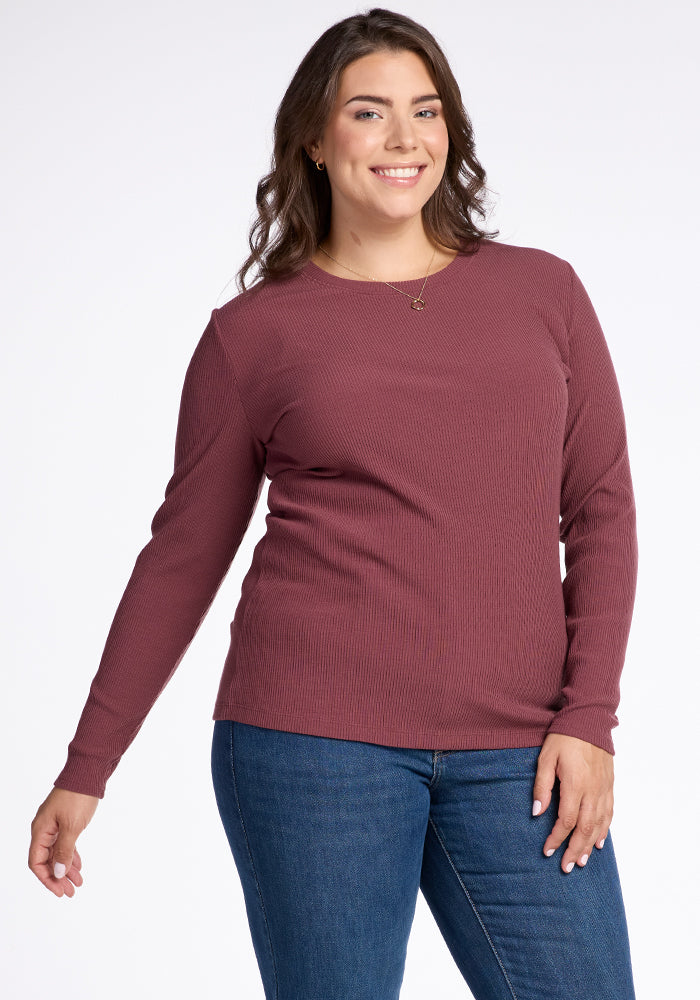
column 134, row 135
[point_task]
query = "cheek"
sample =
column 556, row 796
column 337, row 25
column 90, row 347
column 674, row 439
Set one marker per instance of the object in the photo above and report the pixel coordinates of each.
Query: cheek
column 439, row 143
column 350, row 143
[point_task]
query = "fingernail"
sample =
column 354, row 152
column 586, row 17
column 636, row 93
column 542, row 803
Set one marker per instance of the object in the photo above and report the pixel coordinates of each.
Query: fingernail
column 569, row 866
column 536, row 806
column 601, row 843
column 584, row 859
column 550, row 852
column 59, row 870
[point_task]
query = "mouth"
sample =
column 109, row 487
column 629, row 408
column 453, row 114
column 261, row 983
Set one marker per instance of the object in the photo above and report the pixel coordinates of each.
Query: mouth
column 400, row 169
column 401, row 176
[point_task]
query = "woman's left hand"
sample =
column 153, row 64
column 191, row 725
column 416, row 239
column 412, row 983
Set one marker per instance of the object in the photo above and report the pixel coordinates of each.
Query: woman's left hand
column 586, row 776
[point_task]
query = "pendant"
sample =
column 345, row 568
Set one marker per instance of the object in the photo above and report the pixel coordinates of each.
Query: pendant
column 418, row 304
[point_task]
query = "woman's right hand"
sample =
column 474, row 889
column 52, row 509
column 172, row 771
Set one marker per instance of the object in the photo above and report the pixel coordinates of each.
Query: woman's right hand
column 59, row 821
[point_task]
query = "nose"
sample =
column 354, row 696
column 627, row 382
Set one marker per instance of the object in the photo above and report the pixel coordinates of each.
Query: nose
column 401, row 133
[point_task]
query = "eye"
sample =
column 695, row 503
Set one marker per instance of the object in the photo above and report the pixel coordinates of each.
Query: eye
column 359, row 115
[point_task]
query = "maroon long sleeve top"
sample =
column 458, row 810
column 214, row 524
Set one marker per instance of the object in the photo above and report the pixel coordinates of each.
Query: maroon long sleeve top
column 424, row 466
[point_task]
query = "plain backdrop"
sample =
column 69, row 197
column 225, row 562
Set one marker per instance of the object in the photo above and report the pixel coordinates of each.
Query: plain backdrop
column 134, row 135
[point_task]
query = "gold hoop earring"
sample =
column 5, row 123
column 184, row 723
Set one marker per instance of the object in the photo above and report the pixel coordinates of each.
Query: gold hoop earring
column 321, row 167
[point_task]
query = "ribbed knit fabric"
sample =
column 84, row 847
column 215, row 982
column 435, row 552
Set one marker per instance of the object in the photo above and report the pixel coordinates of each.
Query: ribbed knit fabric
column 424, row 467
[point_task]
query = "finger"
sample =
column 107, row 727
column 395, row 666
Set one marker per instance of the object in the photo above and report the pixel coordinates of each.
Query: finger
column 65, row 888
column 569, row 805
column 44, row 835
column 588, row 825
column 74, row 875
column 62, row 860
column 605, row 827
column 544, row 783
column 42, row 870
column 605, row 819
column 51, row 884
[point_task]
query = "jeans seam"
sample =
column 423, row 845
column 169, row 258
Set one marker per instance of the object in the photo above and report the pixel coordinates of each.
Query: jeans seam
column 250, row 856
column 473, row 906
column 438, row 756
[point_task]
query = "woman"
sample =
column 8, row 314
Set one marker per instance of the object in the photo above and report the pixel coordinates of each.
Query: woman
column 412, row 697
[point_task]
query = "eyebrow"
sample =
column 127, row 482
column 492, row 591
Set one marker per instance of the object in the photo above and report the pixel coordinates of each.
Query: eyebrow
column 385, row 100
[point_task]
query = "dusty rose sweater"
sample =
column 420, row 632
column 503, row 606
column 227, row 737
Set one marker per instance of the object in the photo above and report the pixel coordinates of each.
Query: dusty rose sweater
column 424, row 467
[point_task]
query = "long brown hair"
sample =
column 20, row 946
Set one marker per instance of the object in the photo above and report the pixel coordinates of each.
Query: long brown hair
column 297, row 196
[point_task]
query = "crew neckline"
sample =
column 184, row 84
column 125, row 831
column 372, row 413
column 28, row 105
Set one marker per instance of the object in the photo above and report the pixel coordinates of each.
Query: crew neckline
column 317, row 274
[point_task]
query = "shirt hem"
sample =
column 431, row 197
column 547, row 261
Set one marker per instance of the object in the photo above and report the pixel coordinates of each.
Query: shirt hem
column 445, row 738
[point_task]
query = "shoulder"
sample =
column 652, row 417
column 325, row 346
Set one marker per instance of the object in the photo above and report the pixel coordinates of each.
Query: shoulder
column 524, row 259
column 264, row 319
column 526, row 273
column 259, row 307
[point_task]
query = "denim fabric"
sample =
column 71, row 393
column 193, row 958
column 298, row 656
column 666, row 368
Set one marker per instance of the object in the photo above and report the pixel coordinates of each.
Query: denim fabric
column 333, row 838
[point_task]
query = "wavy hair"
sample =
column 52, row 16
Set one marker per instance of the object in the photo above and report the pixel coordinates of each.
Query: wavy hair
column 297, row 197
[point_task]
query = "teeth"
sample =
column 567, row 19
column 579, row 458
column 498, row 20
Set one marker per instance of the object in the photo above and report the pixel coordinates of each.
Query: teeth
column 401, row 172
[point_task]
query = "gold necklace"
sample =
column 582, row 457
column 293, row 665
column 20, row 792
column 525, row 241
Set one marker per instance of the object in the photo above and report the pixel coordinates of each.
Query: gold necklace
column 416, row 303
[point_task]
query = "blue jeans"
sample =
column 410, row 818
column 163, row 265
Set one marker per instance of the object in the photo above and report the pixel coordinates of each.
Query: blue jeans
column 333, row 838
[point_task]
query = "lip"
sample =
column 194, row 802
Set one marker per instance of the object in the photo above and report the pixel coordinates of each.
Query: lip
column 395, row 166
column 401, row 182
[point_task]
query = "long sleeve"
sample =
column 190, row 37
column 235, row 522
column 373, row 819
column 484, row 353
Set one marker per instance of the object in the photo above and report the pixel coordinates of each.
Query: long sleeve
column 219, row 470
column 598, row 529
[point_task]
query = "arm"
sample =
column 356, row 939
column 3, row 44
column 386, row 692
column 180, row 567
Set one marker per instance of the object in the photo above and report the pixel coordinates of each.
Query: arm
column 209, row 501
column 598, row 529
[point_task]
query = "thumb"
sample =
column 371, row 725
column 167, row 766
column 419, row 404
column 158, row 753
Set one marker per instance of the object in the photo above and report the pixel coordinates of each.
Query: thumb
column 544, row 783
column 63, row 854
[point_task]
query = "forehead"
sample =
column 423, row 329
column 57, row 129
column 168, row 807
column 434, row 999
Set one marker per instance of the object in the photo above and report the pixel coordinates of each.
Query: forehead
column 389, row 71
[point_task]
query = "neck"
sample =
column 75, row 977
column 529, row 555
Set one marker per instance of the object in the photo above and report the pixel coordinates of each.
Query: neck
column 389, row 261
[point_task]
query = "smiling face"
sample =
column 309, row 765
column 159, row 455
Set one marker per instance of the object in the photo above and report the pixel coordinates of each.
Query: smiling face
column 386, row 114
